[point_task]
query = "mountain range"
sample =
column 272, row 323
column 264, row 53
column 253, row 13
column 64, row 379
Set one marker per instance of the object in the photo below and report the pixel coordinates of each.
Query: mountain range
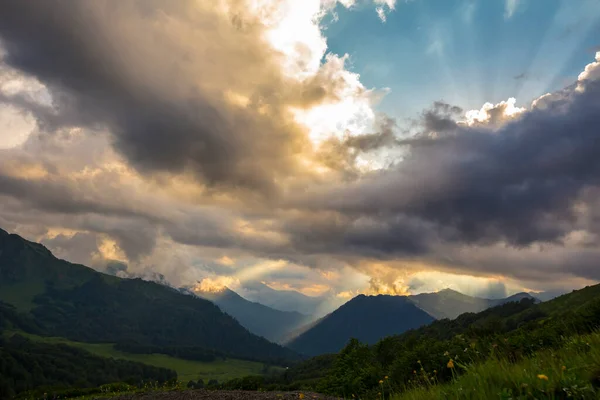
column 372, row 318
column 44, row 299
column 450, row 304
column 285, row 300
column 78, row 303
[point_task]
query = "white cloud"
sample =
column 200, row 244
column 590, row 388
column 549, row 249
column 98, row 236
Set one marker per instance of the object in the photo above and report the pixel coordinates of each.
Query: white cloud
column 510, row 7
column 591, row 71
column 381, row 8
column 494, row 114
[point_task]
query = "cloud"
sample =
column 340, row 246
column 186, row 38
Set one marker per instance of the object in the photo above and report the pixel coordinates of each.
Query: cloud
column 510, row 6
column 192, row 140
column 381, row 8
column 494, row 115
column 156, row 101
column 519, row 182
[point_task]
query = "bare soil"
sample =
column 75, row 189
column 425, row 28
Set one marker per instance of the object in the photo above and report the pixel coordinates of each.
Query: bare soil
column 224, row 395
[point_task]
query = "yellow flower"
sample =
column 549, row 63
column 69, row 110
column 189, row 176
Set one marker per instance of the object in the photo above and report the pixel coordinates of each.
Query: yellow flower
column 564, row 368
column 380, row 381
column 301, row 395
column 450, row 364
column 542, row 377
column 386, row 377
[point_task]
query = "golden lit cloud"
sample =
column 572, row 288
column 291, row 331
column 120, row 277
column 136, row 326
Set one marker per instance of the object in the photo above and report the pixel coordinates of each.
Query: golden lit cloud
column 226, row 261
column 108, row 249
column 494, row 114
column 216, row 284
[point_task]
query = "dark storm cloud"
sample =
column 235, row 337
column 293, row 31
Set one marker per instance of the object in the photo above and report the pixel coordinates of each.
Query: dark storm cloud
column 516, row 184
column 58, row 197
column 324, row 233
column 107, row 66
column 384, row 137
column 440, row 117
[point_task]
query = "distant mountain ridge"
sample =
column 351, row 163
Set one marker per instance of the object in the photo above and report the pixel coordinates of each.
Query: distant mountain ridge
column 78, row 303
column 450, row 304
column 259, row 319
column 283, row 300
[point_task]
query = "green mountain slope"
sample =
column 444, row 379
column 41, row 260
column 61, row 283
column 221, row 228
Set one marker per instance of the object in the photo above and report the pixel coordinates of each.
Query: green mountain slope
column 80, row 304
column 259, row 319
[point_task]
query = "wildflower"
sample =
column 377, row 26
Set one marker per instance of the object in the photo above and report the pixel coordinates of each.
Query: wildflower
column 386, row 377
column 301, row 396
column 446, row 353
column 414, row 372
column 564, row 368
column 435, row 371
column 451, row 364
column 380, row 381
column 542, row 377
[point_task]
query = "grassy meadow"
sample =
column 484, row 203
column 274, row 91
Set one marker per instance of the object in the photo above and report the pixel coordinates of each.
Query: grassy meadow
column 572, row 372
column 221, row 370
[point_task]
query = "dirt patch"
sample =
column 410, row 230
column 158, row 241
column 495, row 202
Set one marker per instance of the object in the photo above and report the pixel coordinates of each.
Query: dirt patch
column 225, row 395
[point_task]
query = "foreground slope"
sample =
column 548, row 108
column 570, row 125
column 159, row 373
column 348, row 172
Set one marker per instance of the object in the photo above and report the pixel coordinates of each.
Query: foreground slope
column 367, row 318
column 259, row 319
column 80, row 304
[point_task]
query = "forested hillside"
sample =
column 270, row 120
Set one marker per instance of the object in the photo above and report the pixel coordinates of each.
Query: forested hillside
column 27, row 365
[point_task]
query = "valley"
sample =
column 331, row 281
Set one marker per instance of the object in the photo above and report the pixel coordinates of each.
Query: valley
column 219, row 369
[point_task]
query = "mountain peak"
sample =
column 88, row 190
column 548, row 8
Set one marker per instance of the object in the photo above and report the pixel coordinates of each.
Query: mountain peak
column 366, row 318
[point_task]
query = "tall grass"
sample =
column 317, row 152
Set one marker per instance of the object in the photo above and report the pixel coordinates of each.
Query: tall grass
column 571, row 372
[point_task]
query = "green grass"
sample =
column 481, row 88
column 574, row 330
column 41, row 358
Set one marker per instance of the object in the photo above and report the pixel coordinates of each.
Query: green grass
column 570, row 372
column 21, row 294
column 220, row 370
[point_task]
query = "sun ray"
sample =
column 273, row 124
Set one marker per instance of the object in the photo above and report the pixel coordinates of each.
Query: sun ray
column 567, row 16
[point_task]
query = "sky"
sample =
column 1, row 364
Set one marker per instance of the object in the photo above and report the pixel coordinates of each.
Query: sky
column 332, row 147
